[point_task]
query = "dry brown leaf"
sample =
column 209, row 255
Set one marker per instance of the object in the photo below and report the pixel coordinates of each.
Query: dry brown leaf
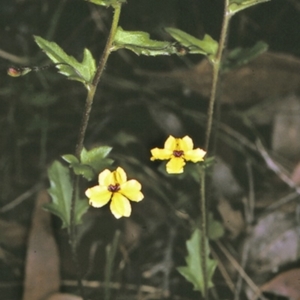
column 286, row 129
column 232, row 219
column 224, row 181
column 285, row 284
column 42, row 276
column 274, row 242
column 269, row 75
column 295, row 177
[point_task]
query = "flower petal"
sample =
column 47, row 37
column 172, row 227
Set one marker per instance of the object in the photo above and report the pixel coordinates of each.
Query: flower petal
column 120, row 206
column 171, row 143
column 194, row 155
column 98, row 195
column 132, row 190
column 161, row 154
column 104, row 178
column 120, row 176
column 175, row 165
column 186, row 143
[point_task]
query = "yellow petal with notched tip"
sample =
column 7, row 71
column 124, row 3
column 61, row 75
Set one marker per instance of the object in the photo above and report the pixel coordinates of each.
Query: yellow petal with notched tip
column 194, row 155
column 161, row 154
column 98, row 195
column 175, row 165
column 120, row 206
column 132, row 190
column 186, row 143
column 120, row 176
column 171, row 143
column 105, row 178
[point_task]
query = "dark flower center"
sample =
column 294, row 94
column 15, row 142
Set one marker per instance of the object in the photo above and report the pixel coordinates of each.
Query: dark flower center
column 178, row 153
column 114, row 188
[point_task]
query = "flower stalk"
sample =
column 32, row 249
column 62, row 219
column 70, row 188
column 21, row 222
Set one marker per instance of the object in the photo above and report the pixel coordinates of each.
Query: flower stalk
column 92, row 87
column 213, row 96
column 216, row 72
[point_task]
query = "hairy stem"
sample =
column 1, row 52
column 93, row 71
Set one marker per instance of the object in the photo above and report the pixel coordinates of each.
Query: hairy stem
column 97, row 77
column 213, row 96
column 216, row 73
column 92, row 87
column 203, row 232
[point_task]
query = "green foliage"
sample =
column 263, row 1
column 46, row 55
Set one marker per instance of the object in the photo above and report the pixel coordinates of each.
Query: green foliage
column 207, row 46
column 193, row 271
column 107, row 3
column 215, row 229
column 241, row 56
column 140, row 43
column 238, row 5
column 91, row 162
column 61, row 193
column 68, row 65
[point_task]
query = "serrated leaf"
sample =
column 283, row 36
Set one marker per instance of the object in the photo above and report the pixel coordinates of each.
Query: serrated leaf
column 193, row 271
column 140, row 43
column 86, row 171
column 74, row 70
column 241, row 56
column 107, row 2
column 91, row 162
column 94, row 155
column 238, row 5
column 207, row 46
column 61, row 194
column 96, row 158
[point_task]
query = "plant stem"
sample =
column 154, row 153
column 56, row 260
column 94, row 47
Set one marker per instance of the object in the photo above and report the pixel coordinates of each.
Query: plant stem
column 216, row 73
column 92, row 87
column 96, row 79
column 213, row 96
column 203, row 232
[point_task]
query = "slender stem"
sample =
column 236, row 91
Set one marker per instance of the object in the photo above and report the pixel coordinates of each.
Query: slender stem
column 213, row 96
column 203, row 232
column 85, row 119
column 97, row 77
column 107, row 50
column 92, row 87
column 216, row 73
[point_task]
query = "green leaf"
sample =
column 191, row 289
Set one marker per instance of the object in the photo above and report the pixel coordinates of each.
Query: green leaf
column 207, row 46
column 238, row 5
column 79, row 169
column 92, row 162
column 107, row 2
column 215, row 228
column 193, row 271
column 70, row 158
column 96, row 157
column 68, row 65
column 61, row 193
column 140, row 43
column 241, row 56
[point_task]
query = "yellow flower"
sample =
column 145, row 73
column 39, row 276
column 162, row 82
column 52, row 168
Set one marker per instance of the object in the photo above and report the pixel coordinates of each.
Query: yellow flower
column 178, row 151
column 115, row 187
